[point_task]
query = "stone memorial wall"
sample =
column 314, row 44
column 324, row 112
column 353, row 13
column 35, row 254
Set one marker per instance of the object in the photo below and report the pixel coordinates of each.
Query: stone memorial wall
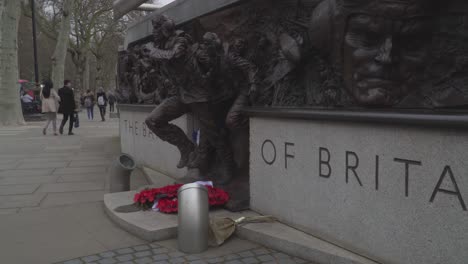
column 142, row 144
column 394, row 193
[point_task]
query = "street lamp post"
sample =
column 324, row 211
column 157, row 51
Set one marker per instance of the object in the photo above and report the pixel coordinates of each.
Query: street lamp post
column 36, row 65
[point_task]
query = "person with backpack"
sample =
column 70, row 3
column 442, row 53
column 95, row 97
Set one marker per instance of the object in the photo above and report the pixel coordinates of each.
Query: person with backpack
column 102, row 103
column 50, row 99
column 89, row 104
column 112, row 100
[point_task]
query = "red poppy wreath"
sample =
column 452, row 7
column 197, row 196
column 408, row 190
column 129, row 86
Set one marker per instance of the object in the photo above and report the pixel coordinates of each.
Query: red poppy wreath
column 166, row 198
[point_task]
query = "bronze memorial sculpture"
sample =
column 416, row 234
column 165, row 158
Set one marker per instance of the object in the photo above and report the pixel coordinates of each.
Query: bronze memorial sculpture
column 387, row 54
column 380, row 46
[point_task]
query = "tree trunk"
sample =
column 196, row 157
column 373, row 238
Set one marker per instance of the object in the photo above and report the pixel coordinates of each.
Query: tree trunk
column 99, row 78
column 86, row 72
column 10, row 105
column 60, row 53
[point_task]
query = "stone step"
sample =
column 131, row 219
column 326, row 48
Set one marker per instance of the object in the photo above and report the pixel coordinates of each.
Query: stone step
column 154, row 226
column 291, row 241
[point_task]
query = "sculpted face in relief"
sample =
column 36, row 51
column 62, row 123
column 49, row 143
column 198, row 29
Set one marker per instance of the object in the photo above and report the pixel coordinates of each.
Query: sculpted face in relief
column 379, row 45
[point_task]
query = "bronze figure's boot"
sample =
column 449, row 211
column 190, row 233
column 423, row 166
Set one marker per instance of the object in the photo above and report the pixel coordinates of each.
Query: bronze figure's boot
column 185, row 151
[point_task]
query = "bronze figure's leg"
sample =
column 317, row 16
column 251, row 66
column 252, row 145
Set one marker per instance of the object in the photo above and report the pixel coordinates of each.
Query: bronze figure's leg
column 211, row 137
column 235, row 118
column 158, row 122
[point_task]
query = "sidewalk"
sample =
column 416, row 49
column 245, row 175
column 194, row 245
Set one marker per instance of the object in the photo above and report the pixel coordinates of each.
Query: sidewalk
column 51, row 192
column 51, row 209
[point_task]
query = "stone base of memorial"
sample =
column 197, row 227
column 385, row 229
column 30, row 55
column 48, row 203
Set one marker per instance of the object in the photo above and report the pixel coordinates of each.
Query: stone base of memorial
column 389, row 186
column 148, row 150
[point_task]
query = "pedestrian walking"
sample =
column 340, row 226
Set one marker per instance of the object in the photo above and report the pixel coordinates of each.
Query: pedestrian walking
column 67, row 106
column 89, row 104
column 102, row 103
column 112, row 100
column 50, row 99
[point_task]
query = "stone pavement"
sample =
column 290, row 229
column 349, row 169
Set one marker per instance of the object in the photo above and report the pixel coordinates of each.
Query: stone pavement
column 51, row 192
column 38, row 172
column 51, row 209
column 235, row 251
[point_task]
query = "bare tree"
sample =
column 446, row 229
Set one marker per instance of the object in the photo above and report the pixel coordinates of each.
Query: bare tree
column 86, row 17
column 10, row 105
column 60, row 53
column 109, row 33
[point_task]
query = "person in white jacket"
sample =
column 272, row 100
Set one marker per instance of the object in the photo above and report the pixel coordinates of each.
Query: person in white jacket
column 50, row 100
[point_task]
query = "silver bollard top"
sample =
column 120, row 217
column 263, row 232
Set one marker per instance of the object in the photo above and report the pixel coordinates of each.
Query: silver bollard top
column 192, row 186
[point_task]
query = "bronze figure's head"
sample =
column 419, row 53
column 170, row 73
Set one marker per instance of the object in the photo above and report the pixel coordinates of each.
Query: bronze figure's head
column 380, row 46
column 163, row 28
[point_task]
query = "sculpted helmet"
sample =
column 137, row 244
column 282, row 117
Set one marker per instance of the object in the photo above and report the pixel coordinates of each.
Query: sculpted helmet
column 163, row 23
column 328, row 24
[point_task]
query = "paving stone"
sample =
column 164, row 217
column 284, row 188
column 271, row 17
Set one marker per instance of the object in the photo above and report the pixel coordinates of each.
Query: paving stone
column 6, row 161
column 145, row 260
column 198, row 262
column 10, row 165
column 234, row 262
column 261, row 251
column 160, row 257
column 215, row 260
column 124, row 251
column 56, row 199
column 73, row 261
column 250, row 260
column 108, row 254
column 160, row 250
column 143, row 254
column 90, row 163
column 91, row 258
column 231, row 257
column 9, row 211
column 246, row 254
column 70, row 187
column 127, row 262
column 43, row 165
column 62, row 148
column 300, row 261
column 266, row 258
column 18, row 189
column 176, row 254
column 13, row 201
column 286, row 261
column 26, row 173
column 193, row 257
column 28, row 180
column 155, row 245
column 280, row 255
column 177, row 260
column 92, row 177
column 125, row 257
column 107, row 261
column 141, row 248
column 161, row 262
column 61, row 171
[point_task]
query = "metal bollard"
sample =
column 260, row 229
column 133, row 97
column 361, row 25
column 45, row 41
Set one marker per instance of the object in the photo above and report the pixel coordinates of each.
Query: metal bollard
column 193, row 218
column 119, row 175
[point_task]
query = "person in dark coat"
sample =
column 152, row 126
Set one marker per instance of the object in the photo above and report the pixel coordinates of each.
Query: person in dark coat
column 67, row 106
column 112, row 100
column 102, row 103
